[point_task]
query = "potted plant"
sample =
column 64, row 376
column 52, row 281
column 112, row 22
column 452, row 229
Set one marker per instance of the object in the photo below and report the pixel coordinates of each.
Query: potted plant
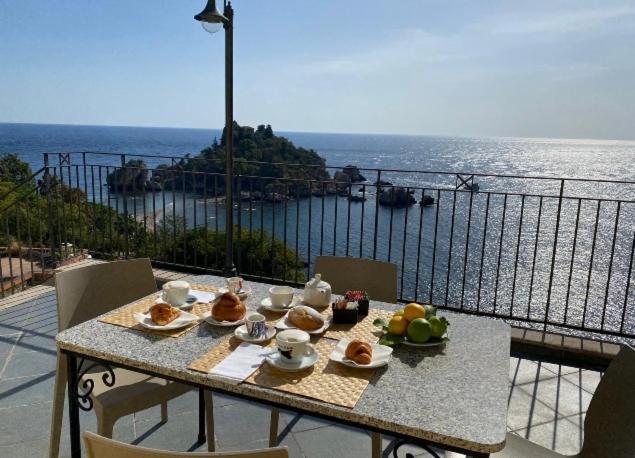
column 362, row 298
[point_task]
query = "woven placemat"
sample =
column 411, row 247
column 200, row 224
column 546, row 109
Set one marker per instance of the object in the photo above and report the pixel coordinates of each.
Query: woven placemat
column 327, row 381
column 363, row 330
column 124, row 316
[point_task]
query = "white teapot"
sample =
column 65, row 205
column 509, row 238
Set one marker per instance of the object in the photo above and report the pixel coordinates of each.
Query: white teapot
column 317, row 292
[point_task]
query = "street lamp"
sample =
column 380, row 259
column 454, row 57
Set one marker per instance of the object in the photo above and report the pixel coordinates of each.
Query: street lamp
column 212, row 20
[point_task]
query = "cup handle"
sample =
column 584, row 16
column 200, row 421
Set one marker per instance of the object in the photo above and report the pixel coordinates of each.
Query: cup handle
column 309, row 350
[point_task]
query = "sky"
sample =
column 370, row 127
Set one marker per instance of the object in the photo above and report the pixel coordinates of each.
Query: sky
column 549, row 68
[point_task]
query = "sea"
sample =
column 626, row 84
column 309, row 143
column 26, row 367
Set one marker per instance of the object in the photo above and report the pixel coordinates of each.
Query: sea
column 491, row 250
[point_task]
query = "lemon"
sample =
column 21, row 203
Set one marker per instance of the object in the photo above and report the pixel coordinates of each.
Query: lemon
column 398, row 325
column 413, row 311
column 398, row 313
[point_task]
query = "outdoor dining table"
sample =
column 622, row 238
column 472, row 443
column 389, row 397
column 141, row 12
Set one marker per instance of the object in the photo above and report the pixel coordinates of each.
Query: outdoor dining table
column 452, row 397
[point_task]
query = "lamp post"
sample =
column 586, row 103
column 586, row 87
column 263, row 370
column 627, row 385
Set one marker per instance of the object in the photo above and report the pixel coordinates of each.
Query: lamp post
column 212, row 20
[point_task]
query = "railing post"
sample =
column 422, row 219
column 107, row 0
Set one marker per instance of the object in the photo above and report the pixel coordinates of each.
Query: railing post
column 553, row 252
column 46, row 182
column 125, row 207
column 377, row 192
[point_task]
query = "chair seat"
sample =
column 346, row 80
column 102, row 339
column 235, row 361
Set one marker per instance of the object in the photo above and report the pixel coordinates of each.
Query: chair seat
column 133, row 391
column 517, row 447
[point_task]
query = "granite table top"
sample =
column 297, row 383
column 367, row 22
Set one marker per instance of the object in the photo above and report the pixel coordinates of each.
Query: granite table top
column 454, row 396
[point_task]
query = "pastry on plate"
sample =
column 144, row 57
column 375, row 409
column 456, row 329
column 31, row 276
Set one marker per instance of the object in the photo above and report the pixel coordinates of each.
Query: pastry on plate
column 305, row 318
column 163, row 313
column 228, row 308
column 359, row 351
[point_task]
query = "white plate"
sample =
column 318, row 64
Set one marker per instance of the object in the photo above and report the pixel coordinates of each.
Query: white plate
column 241, row 333
column 208, row 317
column 266, row 304
column 189, row 303
column 284, row 323
column 243, row 294
column 276, row 361
column 435, row 343
column 382, row 355
column 145, row 320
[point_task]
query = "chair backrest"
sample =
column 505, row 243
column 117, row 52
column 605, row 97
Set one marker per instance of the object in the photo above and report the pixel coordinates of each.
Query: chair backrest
column 100, row 447
column 378, row 278
column 609, row 426
column 87, row 292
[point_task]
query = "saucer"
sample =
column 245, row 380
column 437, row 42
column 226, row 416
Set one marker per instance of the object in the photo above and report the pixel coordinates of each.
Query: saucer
column 382, row 355
column 241, row 333
column 189, row 302
column 242, row 294
column 266, row 304
column 276, row 361
column 208, row 317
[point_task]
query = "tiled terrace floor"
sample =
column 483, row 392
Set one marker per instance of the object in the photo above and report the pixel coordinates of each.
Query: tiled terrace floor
column 546, row 403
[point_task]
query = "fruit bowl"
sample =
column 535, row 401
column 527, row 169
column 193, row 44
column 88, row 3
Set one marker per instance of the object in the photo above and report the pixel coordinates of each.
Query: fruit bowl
column 432, row 342
column 416, row 326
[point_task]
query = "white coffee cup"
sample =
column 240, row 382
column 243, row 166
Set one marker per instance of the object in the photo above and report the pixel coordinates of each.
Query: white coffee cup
column 256, row 326
column 281, row 296
column 293, row 345
column 176, row 292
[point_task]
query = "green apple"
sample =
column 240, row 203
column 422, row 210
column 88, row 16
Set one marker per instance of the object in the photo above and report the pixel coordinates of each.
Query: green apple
column 419, row 330
column 439, row 326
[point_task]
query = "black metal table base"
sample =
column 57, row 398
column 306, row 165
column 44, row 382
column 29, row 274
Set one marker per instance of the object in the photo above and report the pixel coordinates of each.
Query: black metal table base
column 80, row 388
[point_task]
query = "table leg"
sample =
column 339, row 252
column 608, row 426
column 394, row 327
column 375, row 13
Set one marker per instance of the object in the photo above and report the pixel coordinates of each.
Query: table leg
column 376, row 445
column 73, row 406
column 201, row 416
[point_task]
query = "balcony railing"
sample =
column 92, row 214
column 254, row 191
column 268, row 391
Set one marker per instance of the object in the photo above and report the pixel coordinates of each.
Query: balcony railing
column 551, row 253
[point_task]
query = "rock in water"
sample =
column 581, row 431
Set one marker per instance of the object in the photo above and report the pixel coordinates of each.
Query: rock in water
column 396, row 197
column 353, row 173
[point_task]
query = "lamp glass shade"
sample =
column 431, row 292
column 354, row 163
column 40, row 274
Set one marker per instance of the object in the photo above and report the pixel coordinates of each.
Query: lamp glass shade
column 212, row 27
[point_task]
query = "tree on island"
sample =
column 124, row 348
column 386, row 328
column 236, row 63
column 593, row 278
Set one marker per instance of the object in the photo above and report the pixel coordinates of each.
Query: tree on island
column 257, row 153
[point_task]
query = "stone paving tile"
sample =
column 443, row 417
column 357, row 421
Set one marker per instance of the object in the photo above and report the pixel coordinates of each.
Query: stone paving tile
column 563, row 435
column 25, row 361
column 524, row 411
column 240, row 421
column 560, row 395
column 26, row 390
column 303, row 422
column 588, row 380
column 523, row 371
column 334, row 441
column 7, row 343
column 26, row 449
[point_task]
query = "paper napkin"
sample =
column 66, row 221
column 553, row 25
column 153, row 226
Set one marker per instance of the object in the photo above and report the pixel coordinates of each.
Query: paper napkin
column 241, row 363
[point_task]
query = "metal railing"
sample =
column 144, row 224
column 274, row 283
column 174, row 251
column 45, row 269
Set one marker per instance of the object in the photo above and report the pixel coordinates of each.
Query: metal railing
column 553, row 253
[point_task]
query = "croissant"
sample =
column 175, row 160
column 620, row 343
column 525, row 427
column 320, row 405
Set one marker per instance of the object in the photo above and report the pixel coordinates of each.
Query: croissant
column 163, row 313
column 360, row 352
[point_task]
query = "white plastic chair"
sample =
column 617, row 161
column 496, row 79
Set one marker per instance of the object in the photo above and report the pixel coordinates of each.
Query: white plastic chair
column 84, row 294
column 100, row 447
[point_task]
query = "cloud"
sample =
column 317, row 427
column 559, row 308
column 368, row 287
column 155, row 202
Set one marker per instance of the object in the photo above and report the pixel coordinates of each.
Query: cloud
column 407, row 48
column 561, row 22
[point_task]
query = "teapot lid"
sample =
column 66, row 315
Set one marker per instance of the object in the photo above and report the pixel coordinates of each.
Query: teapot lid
column 317, row 282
